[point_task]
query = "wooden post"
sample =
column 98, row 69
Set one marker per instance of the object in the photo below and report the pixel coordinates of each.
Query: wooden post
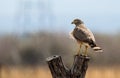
column 58, row 69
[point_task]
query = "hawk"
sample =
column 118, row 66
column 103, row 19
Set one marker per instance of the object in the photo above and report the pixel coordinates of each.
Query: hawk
column 84, row 36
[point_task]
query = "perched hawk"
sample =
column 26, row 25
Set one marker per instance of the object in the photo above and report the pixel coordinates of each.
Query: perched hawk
column 84, row 36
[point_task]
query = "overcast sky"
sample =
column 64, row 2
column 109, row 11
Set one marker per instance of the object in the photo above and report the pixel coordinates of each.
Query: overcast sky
column 98, row 15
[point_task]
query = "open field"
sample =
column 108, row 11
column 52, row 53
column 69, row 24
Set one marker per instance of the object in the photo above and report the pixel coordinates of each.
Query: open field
column 103, row 72
column 93, row 72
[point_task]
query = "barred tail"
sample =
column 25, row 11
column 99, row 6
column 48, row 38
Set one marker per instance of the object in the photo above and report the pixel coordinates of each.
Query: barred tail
column 95, row 47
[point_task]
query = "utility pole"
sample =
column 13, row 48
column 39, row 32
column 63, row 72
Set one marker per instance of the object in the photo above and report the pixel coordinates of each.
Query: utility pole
column 34, row 15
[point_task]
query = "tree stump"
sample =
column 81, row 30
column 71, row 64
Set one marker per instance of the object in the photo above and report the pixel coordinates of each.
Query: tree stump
column 0, row 70
column 58, row 69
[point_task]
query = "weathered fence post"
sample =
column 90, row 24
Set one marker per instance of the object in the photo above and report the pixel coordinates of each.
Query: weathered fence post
column 58, row 69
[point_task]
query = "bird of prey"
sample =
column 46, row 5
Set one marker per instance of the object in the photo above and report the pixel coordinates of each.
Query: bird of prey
column 84, row 37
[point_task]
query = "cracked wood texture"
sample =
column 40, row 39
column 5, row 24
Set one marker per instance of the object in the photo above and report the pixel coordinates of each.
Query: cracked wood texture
column 58, row 69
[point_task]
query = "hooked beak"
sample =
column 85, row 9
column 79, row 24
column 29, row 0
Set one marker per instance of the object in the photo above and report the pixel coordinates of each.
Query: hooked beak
column 72, row 22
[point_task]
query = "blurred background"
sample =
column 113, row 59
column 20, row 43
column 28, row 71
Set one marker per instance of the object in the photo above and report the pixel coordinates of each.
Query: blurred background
column 32, row 30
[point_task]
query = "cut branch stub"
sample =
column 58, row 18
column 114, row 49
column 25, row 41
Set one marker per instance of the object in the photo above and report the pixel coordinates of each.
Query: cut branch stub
column 58, row 70
column 80, row 66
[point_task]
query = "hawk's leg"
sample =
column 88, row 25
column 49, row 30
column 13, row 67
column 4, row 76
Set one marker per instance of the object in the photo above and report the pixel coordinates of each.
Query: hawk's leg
column 86, row 50
column 79, row 49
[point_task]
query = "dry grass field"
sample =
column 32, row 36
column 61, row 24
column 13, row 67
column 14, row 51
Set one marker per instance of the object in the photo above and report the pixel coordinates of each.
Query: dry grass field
column 103, row 72
column 38, row 72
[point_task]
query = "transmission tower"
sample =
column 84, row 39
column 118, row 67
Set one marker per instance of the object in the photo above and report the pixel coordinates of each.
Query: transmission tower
column 34, row 15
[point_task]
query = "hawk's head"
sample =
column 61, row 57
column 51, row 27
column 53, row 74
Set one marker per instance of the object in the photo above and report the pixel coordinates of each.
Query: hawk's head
column 77, row 22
